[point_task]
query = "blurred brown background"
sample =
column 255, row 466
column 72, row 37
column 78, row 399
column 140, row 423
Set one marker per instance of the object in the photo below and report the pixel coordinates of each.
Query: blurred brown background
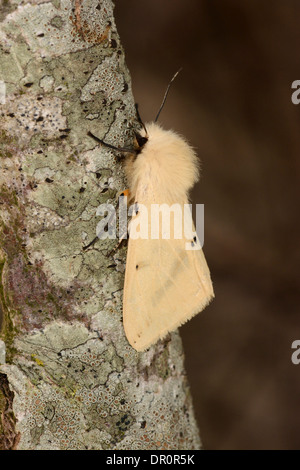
column 232, row 101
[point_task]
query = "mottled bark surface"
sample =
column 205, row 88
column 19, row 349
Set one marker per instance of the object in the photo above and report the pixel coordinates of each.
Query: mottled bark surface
column 71, row 380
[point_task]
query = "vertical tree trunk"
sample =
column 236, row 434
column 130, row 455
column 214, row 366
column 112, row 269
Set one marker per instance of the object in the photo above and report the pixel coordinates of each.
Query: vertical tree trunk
column 70, row 379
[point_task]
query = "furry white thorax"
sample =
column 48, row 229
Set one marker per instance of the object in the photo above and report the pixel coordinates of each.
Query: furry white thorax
column 167, row 164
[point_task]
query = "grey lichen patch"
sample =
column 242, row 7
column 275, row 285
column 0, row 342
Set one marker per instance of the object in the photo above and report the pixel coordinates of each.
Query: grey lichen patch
column 81, row 393
column 65, row 199
column 33, row 114
column 71, row 356
column 79, row 362
column 46, row 83
column 62, row 213
column 14, row 56
column 121, row 121
column 104, row 99
column 62, row 207
column 108, row 78
column 57, row 21
column 63, row 258
column 70, row 77
column 40, row 28
column 106, row 169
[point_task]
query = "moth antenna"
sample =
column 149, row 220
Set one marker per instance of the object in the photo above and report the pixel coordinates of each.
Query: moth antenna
column 166, row 94
column 140, row 119
column 119, row 149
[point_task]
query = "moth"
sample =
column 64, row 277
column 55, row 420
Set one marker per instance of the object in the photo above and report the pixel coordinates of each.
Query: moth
column 166, row 284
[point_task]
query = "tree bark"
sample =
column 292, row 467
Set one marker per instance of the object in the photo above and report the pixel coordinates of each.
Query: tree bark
column 70, row 379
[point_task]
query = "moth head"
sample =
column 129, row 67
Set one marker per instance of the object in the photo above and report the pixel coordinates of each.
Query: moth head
column 141, row 138
column 140, row 141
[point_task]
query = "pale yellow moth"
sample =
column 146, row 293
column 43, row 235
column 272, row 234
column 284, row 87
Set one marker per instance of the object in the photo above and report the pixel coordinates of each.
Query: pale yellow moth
column 166, row 284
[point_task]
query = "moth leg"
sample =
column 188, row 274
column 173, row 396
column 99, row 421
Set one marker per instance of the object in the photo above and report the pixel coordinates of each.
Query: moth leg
column 90, row 244
column 123, row 240
column 124, row 237
column 96, row 237
column 124, row 193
